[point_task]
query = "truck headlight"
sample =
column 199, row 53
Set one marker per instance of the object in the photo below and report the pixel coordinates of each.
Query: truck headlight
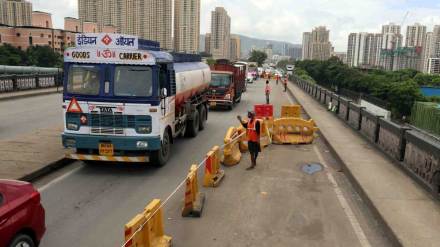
column 70, row 143
column 72, row 126
column 143, row 129
column 228, row 96
column 142, row 144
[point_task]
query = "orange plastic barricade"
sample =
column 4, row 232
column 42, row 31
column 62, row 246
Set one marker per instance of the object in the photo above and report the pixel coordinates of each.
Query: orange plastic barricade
column 242, row 141
column 194, row 200
column 293, row 131
column 213, row 173
column 291, row 111
column 231, row 151
column 152, row 232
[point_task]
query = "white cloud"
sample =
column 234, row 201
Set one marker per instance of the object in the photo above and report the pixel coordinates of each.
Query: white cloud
column 287, row 19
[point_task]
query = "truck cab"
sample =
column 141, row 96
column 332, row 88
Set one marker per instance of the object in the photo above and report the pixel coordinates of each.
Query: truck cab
column 124, row 100
column 227, row 84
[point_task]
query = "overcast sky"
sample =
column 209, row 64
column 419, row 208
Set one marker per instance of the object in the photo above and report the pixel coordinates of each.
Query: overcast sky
column 286, row 20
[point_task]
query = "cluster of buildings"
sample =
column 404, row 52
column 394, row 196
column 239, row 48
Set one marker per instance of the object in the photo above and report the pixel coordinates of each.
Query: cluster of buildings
column 149, row 19
column 389, row 50
column 220, row 43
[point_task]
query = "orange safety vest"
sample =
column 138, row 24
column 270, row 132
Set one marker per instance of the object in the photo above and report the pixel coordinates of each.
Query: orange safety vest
column 252, row 134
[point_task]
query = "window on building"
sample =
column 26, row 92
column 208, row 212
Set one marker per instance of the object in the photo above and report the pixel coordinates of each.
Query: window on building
column 42, row 35
column 50, row 36
column 18, row 34
column 30, row 40
column 50, row 43
column 0, row 38
column 47, row 24
column 19, row 47
column 76, row 28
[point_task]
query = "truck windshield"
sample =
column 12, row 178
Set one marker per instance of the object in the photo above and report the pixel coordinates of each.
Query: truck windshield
column 133, row 81
column 83, row 79
column 220, row 80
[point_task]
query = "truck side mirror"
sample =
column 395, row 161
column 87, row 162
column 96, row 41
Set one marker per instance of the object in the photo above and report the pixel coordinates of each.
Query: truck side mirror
column 163, row 93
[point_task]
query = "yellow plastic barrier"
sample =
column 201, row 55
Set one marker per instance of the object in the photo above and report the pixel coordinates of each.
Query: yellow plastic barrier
column 194, row 200
column 242, row 141
column 293, row 131
column 231, row 151
column 213, row 173
column 152, row 232
column 265, row 132
column 291, row 111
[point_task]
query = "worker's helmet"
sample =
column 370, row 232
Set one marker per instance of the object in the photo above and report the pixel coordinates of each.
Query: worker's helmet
column 251, row 113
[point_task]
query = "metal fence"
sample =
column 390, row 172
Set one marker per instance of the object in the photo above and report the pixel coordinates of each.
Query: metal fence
column 13, row 83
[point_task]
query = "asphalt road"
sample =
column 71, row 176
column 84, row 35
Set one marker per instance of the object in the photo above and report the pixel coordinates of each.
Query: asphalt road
column 25, row 115
column 88, row 205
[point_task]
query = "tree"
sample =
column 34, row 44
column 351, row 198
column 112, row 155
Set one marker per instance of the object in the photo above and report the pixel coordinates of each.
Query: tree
column 43, row 56
column 258, row 57
column 10, row 55
column 283, row 63
column 210, row 61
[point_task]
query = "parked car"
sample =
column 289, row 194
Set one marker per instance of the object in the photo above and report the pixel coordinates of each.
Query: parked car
column 22, row 217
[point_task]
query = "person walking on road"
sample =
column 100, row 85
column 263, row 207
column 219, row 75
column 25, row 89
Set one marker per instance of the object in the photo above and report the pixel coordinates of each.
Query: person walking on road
column 253, row 135
column 267, row 90
column 285, row 84
column 278, row 78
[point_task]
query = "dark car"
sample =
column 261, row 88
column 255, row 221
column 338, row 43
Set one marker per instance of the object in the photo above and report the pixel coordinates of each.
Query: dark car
column 22, row 217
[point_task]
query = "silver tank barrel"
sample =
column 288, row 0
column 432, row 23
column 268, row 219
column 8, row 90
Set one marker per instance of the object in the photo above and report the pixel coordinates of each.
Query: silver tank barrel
column 5, row 69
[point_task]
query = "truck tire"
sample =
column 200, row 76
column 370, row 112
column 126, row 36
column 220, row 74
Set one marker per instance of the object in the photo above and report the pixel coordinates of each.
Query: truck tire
column 203, row 113
column 192, row 127
column 161, row 156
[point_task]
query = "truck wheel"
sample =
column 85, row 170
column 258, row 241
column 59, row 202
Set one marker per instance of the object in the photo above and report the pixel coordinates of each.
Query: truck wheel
column 161, row 156
column 22, row 240
column 192, row 127
column 203, row 117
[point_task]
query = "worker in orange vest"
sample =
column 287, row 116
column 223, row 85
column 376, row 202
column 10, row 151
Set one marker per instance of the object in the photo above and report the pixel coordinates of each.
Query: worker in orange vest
column 267, row 90
column 253, row 135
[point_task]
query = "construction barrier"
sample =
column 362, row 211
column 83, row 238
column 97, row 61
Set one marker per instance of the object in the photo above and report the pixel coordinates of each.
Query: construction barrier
column 213, row 173
column 290, row 111
column 194, row 200
column 293, row 131
column 266, row 125
column 151, row 233
column 231, row 151
column 242, row 141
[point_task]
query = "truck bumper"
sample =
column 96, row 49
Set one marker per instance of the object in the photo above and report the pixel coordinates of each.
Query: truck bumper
column 122, row 145
column 219, row 102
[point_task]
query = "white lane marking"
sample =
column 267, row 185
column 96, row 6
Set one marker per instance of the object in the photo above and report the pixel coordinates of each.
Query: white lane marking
column 344, row 204
column 56, row 180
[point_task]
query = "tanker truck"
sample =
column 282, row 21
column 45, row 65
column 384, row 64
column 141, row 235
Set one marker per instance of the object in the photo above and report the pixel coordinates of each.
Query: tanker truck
column 125, row 100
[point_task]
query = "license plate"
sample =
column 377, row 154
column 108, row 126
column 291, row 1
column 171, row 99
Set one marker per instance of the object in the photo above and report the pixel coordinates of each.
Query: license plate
column 212, row 103
column 106, row 149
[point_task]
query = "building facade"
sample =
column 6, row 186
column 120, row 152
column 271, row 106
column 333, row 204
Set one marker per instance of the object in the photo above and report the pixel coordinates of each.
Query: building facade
column 433, row 67
column 320, row 46
column 186, row 25
column 15, row 13
column 41, row 19
column 363, row 50
column 220, row 34
column 306, row 41
column 208, row 43
column 149, row 19
column 235, row 48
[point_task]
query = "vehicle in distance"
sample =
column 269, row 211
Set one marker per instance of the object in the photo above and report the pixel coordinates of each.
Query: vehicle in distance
column 22, row 217
column 290, row 68
column 250, row 77
column 227, row 84
column 125, row 100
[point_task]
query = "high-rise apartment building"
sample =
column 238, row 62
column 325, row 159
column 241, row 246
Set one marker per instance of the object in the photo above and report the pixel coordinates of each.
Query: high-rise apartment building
column 186, row 25
column 149, row 19
column 320, row 46
column 208, row 43
column 415, row 35
column 433, row 67
column 235, row 48
column 306, row 41
column 220, row 34
column 363, row 49
column 15, row 12
column 391, row 28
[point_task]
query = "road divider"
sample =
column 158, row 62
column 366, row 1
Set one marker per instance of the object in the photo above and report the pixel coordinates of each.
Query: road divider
column 194, row 200
column 294, row 131
column 213, row 173
column 146, row 229
column 231, row 151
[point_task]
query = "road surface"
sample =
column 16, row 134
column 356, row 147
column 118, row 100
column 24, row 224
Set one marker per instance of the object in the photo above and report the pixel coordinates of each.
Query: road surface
column 88, row 205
